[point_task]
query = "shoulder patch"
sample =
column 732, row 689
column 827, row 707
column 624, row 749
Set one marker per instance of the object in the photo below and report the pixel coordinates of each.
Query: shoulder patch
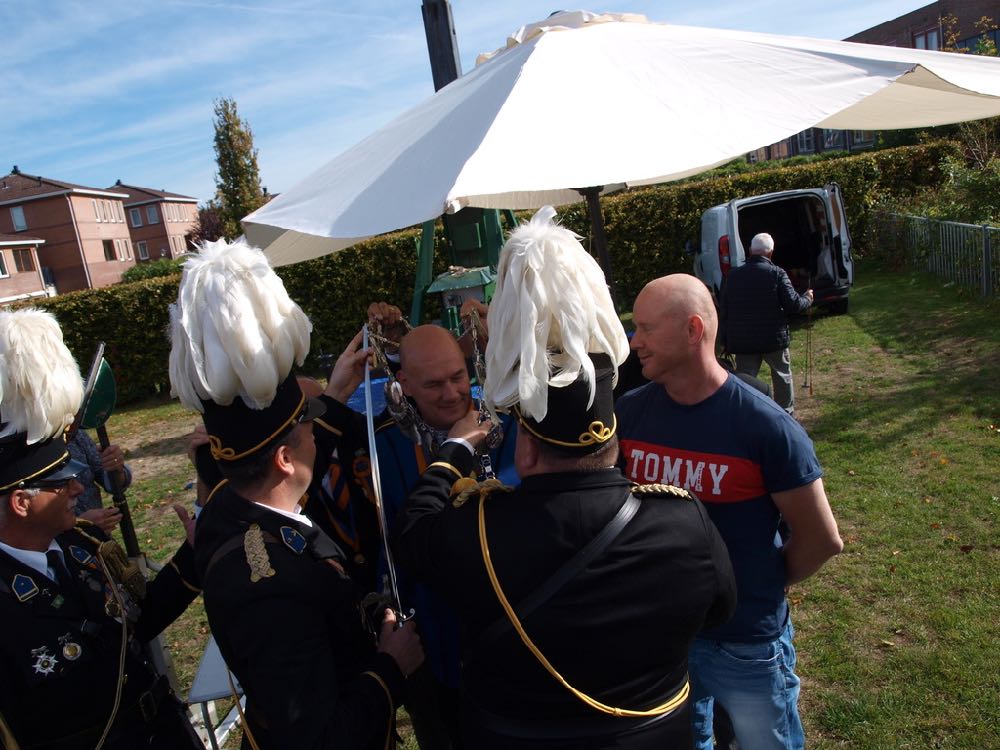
column 661, row 490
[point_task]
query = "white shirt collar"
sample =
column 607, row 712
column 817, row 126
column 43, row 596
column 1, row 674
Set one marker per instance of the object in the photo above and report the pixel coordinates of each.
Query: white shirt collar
column 37, row 561
column 298, row 515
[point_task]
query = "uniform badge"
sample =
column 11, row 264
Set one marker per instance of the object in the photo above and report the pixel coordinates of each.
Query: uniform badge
column 293, row 539
column 70, row 650
column 24, row 587
column 80, row 554
column 256, row 552
column 45, row 663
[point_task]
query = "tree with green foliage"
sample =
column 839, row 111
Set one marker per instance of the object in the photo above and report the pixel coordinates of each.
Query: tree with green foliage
column 210, row 226
column 238, row 179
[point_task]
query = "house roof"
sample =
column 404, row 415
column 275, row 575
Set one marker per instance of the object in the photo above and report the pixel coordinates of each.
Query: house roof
column 17, row 187
column 19, row 239
column 137, row 195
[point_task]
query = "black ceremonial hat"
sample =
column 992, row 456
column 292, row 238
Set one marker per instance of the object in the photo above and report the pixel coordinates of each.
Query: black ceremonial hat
column 23, row 465
column 569, row 422
column 237, row 432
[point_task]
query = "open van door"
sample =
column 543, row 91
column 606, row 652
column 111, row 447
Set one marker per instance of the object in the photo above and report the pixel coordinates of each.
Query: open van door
column 841, row 236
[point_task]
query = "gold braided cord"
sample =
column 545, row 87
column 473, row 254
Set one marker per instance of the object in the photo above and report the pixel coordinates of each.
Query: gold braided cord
column 239, row 709
column 673, row 702
column 392, row 707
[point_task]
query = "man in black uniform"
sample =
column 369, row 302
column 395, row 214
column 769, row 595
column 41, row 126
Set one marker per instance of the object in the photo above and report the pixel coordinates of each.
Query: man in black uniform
column 72, row 670
column 283, row 610
column 579, row 598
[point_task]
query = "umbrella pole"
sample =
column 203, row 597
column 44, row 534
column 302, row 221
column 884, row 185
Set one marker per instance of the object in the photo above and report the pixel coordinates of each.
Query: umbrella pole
column 592, row 194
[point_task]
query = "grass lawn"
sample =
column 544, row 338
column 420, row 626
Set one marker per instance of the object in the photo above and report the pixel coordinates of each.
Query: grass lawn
column 898, row 636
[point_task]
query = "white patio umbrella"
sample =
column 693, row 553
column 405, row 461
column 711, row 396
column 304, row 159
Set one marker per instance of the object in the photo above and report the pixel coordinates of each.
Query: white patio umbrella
column 582, row 100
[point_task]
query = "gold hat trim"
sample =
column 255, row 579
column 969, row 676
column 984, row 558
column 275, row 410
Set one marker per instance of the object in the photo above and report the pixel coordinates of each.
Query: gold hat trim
column 220, row 453
column 597, row 432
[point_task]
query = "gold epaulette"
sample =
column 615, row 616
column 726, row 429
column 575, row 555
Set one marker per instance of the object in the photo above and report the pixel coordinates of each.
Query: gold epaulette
column 661, row 490
column 467, row 487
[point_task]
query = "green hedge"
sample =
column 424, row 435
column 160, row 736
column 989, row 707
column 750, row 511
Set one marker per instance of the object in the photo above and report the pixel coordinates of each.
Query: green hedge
column 646, row 229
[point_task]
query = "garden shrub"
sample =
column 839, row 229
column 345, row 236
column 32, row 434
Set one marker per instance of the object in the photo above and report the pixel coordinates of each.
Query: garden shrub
column 646, row 228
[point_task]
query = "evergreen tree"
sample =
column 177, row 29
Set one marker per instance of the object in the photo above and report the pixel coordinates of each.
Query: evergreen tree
column 238, row 179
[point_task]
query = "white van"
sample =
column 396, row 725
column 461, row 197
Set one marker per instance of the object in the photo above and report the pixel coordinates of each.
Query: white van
column 811, row 240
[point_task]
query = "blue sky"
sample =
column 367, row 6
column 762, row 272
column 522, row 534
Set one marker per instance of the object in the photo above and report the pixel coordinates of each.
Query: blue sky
column 123, row 89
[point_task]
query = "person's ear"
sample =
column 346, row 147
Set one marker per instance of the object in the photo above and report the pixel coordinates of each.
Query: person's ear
column 282, row 461
column 18, row 503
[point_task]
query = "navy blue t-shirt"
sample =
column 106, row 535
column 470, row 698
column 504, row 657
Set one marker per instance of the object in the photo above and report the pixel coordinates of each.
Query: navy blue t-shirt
column 732, row 450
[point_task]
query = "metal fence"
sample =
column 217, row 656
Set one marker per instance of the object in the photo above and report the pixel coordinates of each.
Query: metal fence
column 966, row 254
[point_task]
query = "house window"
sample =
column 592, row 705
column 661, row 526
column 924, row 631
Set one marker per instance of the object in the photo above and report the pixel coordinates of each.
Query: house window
column 119, row 211
column 142, row 248
column 832, row 139
column 17, row 216
column 151, row 216
column 136, row 216
column 3, row 266
column 97, row 211
column 805, row 142
column 22, row 260
column 863, row 137
column 109, row 250
column 930, row 39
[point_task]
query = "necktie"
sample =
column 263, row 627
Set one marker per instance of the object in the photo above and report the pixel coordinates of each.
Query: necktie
column 63, row 578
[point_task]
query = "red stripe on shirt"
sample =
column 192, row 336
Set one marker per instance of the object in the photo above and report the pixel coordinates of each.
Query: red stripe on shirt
column 713, row 477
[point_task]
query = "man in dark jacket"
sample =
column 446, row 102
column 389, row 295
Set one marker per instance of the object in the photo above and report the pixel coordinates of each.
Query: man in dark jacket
column 756, row 300
column 578, row 593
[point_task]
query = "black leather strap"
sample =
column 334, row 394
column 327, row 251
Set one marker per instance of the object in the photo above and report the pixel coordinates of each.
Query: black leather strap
column 566, row 572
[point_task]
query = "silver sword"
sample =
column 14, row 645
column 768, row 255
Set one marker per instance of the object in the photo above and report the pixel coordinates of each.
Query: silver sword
column 401, row 617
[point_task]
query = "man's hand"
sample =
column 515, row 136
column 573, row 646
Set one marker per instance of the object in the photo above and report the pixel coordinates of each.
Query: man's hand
column 469, row 429
column 113, row 458
column 106, row 519
column 809, row 295
column 391, row 319
column 402, row 644
column 195, row 440
column 466, row 314
column 187, row 520
column 348, row 372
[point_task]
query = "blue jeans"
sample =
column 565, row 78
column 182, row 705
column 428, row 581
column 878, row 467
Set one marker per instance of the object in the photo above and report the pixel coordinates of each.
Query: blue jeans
column 756, row 683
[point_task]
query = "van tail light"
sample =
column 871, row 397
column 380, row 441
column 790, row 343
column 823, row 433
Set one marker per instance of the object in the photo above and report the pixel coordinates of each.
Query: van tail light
column 724, row 263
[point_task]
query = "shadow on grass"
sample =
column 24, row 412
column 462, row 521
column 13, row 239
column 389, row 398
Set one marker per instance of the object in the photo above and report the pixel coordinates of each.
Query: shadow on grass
column 171, row 446
column 945, row 343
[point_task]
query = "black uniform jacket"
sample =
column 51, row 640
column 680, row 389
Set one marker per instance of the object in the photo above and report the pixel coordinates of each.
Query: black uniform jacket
column 288, row 624
column 59, row 654
column 756, row 300
column 619, row 631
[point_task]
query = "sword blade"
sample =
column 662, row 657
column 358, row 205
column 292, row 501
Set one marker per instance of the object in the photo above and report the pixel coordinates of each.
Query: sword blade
column 377, row 481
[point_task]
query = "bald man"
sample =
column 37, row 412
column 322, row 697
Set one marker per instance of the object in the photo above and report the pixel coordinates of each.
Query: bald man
column 753, row 466
column 434, row 375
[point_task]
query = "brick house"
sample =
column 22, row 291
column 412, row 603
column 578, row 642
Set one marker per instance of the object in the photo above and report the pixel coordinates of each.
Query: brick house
column 20, row 271
column 923, row 29
column 159, row 222
column 86, row 239
column 919, row 29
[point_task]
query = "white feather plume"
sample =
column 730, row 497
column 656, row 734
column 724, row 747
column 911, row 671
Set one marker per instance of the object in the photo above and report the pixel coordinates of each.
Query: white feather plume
column 550, row 309
column 234, row 330
column 40, row 385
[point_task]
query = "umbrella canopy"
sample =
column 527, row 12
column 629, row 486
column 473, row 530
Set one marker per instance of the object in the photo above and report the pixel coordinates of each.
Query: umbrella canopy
column 583, row 100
